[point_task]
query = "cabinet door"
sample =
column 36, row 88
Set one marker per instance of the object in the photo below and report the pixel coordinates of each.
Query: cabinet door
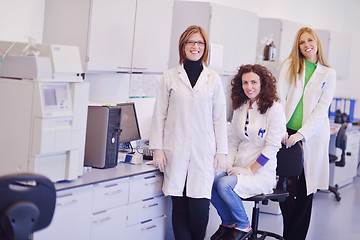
column 109, row 225
column 111, row 35
column 147, row 209
column 152, row 229
column 152, row 35
column 110, row 194
column 72, row 216
column 145, row 186
column 288, row 33
column 238, row 38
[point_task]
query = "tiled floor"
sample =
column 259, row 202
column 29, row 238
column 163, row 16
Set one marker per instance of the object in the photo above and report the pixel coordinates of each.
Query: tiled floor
column 330, row 220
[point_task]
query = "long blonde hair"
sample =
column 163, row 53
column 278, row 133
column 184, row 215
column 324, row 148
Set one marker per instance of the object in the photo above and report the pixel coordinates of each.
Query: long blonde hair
column 297, row 59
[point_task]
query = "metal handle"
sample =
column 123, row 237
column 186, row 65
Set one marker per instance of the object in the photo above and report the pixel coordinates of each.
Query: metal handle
column 102, row 220
column 114, row 192
column 67, row 203
column 148, row 228
column 140, row 68
column 124, row 67
column 152, row 205
column 149, row 184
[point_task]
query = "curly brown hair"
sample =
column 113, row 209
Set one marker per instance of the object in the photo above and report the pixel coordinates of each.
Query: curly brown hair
column 267, row 94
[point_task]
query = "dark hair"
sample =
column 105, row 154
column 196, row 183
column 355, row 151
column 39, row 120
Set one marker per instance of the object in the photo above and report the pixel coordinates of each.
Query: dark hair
column 267, row 94
column 185, row 36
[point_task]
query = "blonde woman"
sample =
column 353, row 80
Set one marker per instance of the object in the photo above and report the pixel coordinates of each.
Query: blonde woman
column 306, row 87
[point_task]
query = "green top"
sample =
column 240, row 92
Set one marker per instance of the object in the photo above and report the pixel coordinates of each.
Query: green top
column 295, row 121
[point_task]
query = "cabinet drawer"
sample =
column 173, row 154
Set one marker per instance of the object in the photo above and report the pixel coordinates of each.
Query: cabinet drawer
column 153, row 229
column 109, row 225
column 145, row 186
column 73, row 209
column 147, row 209
column 353, row 138
column 110, row 194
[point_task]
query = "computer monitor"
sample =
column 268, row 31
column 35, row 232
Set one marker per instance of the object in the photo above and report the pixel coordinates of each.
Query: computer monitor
column 129, row 125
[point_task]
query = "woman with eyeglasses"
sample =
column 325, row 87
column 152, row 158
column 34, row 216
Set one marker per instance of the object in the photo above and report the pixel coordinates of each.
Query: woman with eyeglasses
column 188, row 134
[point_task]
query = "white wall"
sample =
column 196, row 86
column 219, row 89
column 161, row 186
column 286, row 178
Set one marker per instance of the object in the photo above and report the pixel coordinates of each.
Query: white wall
column 338, row 16
column 20, row 18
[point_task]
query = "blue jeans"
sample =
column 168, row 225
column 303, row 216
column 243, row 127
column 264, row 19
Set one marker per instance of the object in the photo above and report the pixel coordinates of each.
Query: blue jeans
column 227, row 203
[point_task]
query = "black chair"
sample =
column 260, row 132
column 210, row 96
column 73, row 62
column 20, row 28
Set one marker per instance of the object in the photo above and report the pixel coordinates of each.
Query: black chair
column 27, row 204
column 340, row 142
column 289, row 164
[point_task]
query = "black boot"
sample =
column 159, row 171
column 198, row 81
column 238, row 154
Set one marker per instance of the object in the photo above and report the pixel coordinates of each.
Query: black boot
column 222, row 230
column 236, row 234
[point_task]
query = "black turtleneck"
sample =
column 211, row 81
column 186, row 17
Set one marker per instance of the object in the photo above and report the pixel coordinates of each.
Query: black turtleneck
column 193, row 70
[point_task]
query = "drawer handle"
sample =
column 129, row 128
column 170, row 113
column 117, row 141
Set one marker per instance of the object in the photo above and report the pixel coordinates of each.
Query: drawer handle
column 149, row 184
column 148, row 228
column 140, row 68
column 67, row 203
column 124, row 67
column 66, row 195
column 114, row 192
column 102, row 220
column 348, row 153
column 152, row 205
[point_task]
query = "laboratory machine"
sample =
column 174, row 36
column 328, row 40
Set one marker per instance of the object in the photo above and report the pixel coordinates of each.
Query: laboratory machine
column 43, row 110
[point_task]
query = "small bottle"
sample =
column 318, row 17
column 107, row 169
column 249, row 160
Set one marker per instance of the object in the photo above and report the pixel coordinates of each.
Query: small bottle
column 272, row 51
column 31, row 49
column 266, row 52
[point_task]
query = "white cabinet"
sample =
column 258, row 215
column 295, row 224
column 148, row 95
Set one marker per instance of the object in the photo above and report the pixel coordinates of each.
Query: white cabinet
column 145, row 186
column 111, row 28
column 233, row 29
column 152, row 35
column 72, row 216
column 337, row 49
column 147, row 208
column 152, row 229
column 109, row 210
column 109, row 224
column 342, row 176
column 110, row 194
column 282, row 33
column 113, row 35
column 102, row 211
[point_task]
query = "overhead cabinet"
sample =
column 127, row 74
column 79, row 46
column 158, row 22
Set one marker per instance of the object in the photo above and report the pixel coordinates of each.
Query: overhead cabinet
column 234, row 30
column 337, row 50
column 281, row 32
column 113, row 35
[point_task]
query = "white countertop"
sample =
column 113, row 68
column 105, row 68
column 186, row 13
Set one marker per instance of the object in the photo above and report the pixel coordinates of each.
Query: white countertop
column 95, row 175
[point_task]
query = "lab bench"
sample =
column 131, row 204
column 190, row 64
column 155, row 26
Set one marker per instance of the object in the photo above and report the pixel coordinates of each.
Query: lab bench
column 124, row 202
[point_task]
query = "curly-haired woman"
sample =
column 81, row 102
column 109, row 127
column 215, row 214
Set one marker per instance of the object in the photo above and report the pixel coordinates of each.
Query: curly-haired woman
column 257, row 128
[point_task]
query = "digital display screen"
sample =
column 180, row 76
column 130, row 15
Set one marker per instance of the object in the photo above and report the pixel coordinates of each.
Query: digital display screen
column 128, row 124
column 50, row 96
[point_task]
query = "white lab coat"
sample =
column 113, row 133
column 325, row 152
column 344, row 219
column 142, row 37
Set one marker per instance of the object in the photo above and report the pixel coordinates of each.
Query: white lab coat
column 244, row 150
column 189, row 124
column 318, row 95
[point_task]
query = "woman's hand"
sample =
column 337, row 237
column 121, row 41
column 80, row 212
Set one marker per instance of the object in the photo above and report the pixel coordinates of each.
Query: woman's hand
column 159, row 159
column 239, row 171
column 219, row 163
column 285, row 138
column 293, row 139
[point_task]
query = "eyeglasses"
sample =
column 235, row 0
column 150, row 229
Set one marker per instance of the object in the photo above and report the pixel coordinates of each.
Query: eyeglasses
column 192, row 43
